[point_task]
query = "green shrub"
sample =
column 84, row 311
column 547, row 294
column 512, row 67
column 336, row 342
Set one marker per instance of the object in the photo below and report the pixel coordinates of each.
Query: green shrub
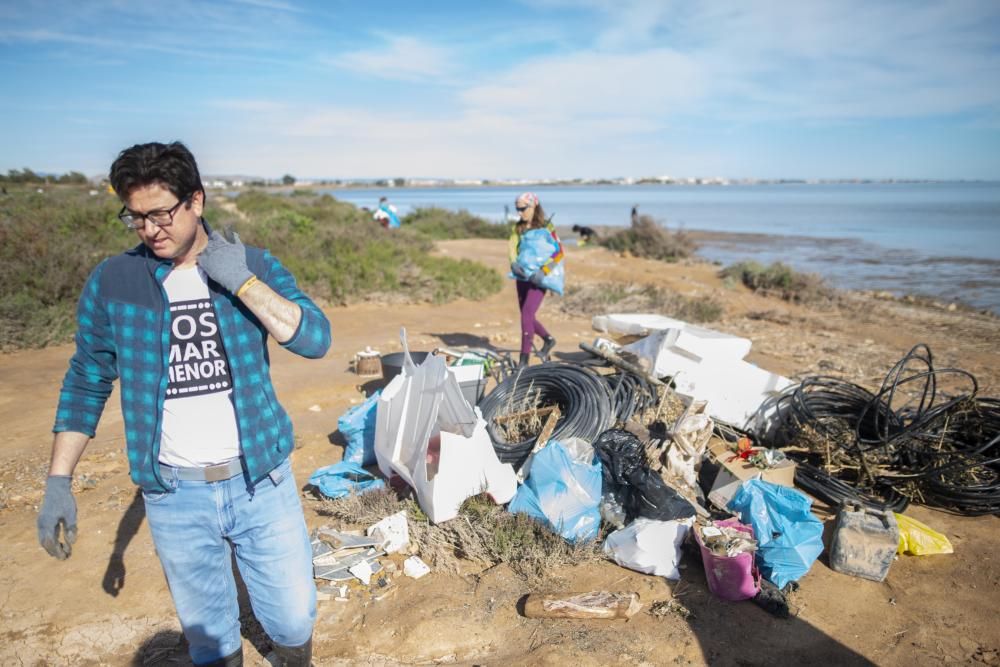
column 780, row 280
column 50, row 242
column 646, row 238
column 440, row 224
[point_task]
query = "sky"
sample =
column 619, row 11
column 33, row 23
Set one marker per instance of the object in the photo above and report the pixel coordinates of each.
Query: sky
column 547, row 89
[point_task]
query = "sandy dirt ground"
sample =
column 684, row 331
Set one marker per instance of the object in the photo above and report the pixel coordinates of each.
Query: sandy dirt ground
column 109, row 604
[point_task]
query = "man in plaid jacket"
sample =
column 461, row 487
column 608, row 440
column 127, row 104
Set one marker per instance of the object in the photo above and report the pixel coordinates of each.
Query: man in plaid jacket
column 182, row 321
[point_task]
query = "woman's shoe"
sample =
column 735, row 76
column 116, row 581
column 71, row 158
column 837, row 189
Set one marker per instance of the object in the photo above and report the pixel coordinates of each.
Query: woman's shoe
column 550, row 343
column 523, row 361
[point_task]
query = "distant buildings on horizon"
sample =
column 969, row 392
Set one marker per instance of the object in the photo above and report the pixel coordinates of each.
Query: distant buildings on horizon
column 224, row 182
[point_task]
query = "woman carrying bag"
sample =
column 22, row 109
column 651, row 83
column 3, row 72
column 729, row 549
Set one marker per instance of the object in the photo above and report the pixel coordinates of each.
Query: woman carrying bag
column 536, row 263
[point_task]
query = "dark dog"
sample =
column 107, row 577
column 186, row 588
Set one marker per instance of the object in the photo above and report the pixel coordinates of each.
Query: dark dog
column 587, row 234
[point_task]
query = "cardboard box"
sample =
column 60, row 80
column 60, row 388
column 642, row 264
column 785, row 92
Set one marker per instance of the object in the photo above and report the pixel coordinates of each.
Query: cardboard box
column 734, row 472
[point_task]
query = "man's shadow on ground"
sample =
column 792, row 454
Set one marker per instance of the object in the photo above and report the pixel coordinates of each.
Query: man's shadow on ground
column 168, row 647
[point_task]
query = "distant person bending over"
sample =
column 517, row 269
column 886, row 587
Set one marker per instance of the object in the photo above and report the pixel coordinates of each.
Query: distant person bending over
column 587, row 234
column 536, row 258
column 182, row 321
column 386, row 214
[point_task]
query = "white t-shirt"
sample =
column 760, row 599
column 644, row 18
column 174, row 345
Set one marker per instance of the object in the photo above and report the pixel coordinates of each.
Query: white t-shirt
column 199, row 420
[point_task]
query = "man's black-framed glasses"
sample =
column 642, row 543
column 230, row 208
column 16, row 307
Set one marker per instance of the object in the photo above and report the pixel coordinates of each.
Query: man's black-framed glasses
column 161, row 218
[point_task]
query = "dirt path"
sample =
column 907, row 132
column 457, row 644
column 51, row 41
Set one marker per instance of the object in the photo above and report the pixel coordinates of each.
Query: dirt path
column 109, row 604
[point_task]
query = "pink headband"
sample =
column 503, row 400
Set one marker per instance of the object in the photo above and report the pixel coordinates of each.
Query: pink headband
column 528, row 198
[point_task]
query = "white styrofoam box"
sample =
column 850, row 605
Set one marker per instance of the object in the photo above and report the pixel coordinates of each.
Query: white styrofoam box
column 733, row 390
column 708, row 343
column 633, row 324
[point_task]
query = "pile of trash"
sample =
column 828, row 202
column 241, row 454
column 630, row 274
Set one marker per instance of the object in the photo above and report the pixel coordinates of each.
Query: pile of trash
column 348, row 562
column 666, row 439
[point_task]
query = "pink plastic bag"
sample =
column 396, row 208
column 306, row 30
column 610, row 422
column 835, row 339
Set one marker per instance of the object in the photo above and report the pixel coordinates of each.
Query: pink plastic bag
column 730, row 577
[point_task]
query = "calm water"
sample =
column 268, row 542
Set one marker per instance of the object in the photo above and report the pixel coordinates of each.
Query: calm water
column 938, row 239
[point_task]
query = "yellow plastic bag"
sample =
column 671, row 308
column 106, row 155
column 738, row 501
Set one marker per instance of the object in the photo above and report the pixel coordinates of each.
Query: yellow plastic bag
column 918, row 540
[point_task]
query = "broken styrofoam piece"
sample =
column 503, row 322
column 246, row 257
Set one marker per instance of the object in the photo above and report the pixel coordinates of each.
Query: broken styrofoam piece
column 683, row 348
column 414, row 567
column 649, row 546
column 392, row 532
column 429, row 435
column 734, row 391
column 633, row 324
column 362, row 571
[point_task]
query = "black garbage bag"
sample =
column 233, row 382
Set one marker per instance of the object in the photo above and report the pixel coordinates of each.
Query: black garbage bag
column 630, row 484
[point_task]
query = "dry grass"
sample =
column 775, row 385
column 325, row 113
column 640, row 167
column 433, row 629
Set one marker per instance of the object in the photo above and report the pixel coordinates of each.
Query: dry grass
column 586, row 299
column 483, row 533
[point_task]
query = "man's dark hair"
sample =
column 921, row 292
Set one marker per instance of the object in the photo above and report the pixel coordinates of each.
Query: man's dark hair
column 169, row 165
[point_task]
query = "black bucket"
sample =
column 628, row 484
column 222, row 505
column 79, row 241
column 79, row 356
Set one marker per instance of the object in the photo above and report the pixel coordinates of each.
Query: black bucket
column 392, row 364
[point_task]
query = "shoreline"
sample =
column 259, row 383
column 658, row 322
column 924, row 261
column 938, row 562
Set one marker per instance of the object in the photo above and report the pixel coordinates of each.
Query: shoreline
column 849, row 265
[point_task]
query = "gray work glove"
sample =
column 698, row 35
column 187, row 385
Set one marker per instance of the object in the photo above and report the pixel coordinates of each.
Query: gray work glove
column 225, row 262
column 537, row 277
column 58, row 509
column 518, row 272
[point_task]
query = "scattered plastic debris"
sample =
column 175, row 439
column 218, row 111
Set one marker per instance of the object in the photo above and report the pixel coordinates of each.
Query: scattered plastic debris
column 415, row 568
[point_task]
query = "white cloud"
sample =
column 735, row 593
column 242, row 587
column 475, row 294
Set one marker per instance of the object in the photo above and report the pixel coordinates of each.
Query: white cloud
column 399, row 58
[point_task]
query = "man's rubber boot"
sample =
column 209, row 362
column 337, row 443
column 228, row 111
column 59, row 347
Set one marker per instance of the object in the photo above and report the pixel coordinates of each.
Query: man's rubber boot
column 550, row 343
column 234, row 659
column 293, row 656
column 523, row 361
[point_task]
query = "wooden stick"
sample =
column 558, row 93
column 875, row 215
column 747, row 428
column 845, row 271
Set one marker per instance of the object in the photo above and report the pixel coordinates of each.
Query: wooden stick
column 617, row 361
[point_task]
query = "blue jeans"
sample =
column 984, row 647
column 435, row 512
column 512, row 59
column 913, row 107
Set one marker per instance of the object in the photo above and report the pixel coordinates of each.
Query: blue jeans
column 197, row 528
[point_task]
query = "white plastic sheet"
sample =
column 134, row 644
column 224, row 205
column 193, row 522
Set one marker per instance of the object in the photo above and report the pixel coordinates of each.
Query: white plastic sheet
column 652, row 547
column 428, row 434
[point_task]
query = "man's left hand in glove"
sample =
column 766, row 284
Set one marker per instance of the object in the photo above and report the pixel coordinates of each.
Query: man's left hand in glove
column 225, row 262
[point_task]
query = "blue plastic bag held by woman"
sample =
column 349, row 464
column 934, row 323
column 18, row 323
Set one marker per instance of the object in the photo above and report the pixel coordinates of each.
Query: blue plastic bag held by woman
column 789, row 537
column 537, row 246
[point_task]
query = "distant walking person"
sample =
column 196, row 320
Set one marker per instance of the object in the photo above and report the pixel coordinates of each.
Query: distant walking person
column 182, row 321
column 536, row 263
column 386, row 214
column 635, row 215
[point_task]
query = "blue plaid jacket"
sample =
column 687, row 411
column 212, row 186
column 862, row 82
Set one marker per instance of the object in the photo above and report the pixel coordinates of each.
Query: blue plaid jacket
column 123, row 320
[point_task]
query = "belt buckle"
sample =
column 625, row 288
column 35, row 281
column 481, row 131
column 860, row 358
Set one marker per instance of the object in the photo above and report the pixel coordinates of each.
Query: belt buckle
column 218, row 473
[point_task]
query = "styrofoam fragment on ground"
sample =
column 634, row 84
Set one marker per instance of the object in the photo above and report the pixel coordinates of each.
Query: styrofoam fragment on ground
column 414, row 567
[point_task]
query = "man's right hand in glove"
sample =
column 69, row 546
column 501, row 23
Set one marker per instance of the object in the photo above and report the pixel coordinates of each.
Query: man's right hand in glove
column 58, row 514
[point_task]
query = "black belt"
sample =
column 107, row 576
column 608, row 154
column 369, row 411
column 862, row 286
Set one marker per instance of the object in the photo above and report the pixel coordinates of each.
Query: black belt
column 216, row 473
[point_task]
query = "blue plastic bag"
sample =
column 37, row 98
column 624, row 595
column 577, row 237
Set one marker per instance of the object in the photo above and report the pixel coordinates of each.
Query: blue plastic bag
column 789, row 537
column 358, row 427
column 535, row 248
column 344, row 478
column 562, row 493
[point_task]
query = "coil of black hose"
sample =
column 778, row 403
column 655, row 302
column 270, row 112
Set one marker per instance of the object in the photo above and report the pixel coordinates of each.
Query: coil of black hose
column 836, row 492
column 581, row 394
column 630, row 395
column 942, row 451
